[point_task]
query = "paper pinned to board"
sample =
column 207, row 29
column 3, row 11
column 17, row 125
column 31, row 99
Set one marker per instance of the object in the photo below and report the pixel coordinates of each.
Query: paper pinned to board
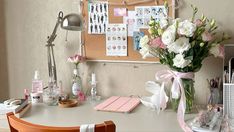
column 116, row 40
column 120, row 12
column 131, row 22
column 145, row 13
column 98, row 17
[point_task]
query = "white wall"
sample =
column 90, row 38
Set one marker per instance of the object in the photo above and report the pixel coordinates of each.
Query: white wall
column 29, row 22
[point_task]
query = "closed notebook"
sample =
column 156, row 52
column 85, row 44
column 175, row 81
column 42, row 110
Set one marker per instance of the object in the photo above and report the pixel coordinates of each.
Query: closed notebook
column 118, row 104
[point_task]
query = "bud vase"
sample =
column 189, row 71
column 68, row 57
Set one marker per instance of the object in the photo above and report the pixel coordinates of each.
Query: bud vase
column 76, row 83
column 189, row 91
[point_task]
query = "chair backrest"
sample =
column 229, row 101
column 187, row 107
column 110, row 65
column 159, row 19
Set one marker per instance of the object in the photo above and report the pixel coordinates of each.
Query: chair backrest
column 18, row 125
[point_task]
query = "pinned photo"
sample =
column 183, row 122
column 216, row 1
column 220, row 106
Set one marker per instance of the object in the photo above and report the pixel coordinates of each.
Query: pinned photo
column 139, row 12
column 147, row 11
column 136, row 39
column 146, row 21
column 140, row 22
column 120, row 12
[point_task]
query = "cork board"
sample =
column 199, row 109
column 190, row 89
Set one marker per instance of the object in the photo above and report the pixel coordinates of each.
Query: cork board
column 95, row 45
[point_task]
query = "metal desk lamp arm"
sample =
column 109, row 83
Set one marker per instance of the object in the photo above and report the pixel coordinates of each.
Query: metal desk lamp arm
column 50, row 51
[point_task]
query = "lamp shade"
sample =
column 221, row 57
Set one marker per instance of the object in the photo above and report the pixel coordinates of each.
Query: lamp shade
column 72, row 22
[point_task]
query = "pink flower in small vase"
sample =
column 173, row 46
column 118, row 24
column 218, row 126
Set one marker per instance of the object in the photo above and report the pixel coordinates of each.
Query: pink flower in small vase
column 157, row 42
column 76, row 59
column 198, row 22
column 81, row 96
column 206, row 36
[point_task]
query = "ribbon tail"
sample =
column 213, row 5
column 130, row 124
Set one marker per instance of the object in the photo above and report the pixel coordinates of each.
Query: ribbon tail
column 175, row 88
column 163, row 98
column 181, row 112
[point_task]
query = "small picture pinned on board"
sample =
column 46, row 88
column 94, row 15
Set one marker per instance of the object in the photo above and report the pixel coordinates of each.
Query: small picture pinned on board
column 120, row 12
column 161, row 12
column 154, row 12
column 147, row 11
column 136, row 39
column 146, row 21
column 140, row 22
column 139, row 12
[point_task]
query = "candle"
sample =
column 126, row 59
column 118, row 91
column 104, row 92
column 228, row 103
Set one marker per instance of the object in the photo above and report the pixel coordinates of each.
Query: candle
column 93, row 79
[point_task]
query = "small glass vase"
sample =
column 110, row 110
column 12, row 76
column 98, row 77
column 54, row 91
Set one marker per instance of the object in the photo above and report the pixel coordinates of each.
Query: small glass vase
column 76, row 84
column 188, row 85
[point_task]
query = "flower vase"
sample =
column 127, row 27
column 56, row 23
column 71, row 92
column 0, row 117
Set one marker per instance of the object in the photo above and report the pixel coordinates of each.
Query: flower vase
column 76, row 84
column 189, row 91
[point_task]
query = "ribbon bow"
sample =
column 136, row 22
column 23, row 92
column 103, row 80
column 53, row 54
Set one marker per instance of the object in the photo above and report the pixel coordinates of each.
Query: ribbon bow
column 177, row 91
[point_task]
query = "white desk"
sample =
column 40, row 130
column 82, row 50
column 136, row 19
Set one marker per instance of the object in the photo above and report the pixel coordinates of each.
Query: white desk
column 140, row 119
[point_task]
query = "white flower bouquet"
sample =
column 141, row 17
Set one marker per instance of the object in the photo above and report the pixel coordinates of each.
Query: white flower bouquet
column 182, row 45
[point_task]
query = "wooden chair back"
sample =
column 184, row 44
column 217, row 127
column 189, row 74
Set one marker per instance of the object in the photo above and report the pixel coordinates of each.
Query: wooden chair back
column 18, row 125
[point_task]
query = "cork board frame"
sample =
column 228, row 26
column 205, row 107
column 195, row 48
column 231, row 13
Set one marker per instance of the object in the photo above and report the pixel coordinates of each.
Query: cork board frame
column 95, row 45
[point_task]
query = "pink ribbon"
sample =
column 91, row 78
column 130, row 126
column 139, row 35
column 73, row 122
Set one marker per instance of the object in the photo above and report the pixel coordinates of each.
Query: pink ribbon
column 177, row 91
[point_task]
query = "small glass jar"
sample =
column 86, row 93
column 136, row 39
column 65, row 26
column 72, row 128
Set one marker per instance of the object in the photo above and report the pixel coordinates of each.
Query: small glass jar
column 50, row 98
column 51, row 94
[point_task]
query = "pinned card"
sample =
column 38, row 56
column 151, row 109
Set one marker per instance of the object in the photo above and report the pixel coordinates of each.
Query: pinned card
column 131, row 22
column 136, row 39
column 120, row 12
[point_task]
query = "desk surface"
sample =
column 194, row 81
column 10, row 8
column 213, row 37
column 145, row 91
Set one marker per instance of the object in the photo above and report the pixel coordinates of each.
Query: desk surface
column 140, row 119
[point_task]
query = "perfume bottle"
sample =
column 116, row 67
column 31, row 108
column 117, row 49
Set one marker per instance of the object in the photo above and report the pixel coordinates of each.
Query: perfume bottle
column 37, row 84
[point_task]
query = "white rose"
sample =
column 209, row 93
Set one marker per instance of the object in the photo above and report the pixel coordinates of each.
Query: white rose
column 168, row 36
column 174, row 21
column 145, row 52
column 186, row 28
column 217, row 50
column 180, row 62
column 144, row 41
column 163, row 23
column 180, row 45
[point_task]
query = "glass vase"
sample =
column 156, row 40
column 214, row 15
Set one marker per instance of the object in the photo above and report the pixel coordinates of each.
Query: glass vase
column 76, row 83
column 189, row 91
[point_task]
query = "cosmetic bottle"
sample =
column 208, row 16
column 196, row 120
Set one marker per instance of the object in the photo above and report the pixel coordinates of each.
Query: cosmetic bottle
column 26, row 94
column 37, row 84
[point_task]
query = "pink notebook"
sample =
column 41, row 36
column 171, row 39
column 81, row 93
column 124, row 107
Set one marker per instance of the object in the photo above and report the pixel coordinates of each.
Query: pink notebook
column 118, row 104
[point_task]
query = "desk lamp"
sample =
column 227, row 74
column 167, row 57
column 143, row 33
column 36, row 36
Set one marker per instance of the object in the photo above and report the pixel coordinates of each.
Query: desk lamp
column 72, row 22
